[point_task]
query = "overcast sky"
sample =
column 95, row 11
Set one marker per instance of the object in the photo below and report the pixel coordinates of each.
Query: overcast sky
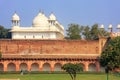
column 83, row 12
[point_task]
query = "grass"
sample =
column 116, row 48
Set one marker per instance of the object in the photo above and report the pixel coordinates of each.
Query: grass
column 59, row 76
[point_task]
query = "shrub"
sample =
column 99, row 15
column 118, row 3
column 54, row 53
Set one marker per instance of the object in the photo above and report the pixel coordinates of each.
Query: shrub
column 0, row 54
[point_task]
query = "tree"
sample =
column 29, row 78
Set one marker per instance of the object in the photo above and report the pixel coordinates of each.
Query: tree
column 94, row 32
column 86, row 33
column 4, row 33
column 111, row 55
column 74, row 31
column 103, row 33
column 0, row 54
column 72, row 69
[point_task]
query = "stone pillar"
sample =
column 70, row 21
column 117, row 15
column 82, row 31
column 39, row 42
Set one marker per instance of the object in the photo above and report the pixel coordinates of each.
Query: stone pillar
column 41, row 66
column 86, row 66
column 97, row 66
column 29, row 66
column 52, row 66
column 5, row 66
column 17, row 67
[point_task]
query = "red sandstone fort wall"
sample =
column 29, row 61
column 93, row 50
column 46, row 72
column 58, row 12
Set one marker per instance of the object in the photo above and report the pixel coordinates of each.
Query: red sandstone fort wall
column 49, row 46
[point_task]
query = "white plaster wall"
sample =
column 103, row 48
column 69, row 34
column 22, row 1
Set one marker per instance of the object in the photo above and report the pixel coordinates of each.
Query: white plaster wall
column 53, row 36
column 34, row 35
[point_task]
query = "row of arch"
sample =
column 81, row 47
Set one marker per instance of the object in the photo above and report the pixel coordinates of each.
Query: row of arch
column 45, row 67
column 34, row 67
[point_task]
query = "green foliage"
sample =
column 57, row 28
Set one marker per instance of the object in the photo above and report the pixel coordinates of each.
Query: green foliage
column 103, row 33
column 111, row 55
column 74, row 31
column 86, row 33
column 0, row 54
column 94, row 32
column 72, row 69
column 4, row 33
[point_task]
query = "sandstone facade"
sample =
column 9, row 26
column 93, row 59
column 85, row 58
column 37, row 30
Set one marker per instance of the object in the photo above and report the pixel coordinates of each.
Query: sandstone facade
column 49, row 55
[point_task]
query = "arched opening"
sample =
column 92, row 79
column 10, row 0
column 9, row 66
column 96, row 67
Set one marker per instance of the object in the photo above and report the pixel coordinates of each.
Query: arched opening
column 23, row 66
column 11, row 67
column 57, row 67
column 102, row 69
column 46, row 67
column 83, row 66
column 35, row 67
column 92, row 67
column 1, row 67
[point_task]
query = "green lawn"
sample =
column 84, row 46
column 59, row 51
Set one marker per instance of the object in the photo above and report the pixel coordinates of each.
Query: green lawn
column 59, row 76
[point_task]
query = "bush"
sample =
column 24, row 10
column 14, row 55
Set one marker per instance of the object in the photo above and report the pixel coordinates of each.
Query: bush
column 0, row 54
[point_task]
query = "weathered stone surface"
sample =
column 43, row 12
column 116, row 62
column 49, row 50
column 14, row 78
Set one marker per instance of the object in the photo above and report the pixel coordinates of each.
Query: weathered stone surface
column 49, row 47
column 44, row 54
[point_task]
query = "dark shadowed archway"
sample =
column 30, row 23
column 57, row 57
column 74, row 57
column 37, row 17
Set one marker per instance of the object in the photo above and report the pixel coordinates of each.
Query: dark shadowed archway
column 46, row 67
column 35, row 67
column 11, row 67
column 92, row 67
column 1, row 67
column 83, row 66
column 57, row 67
column 23, row 66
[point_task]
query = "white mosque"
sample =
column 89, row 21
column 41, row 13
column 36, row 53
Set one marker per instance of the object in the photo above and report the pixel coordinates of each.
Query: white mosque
column 42, row 28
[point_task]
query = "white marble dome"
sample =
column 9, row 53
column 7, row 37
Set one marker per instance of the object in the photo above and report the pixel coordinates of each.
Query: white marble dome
column 15, row 17
column 52, row 17
column 40, row 20
column 43, row 27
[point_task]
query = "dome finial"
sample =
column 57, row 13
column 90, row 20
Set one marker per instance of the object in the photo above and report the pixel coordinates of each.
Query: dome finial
column 52, row 12
column 41, row 11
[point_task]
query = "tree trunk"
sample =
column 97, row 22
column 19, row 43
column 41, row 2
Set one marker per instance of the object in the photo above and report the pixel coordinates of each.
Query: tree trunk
column 75, row 76
column 71, row 76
